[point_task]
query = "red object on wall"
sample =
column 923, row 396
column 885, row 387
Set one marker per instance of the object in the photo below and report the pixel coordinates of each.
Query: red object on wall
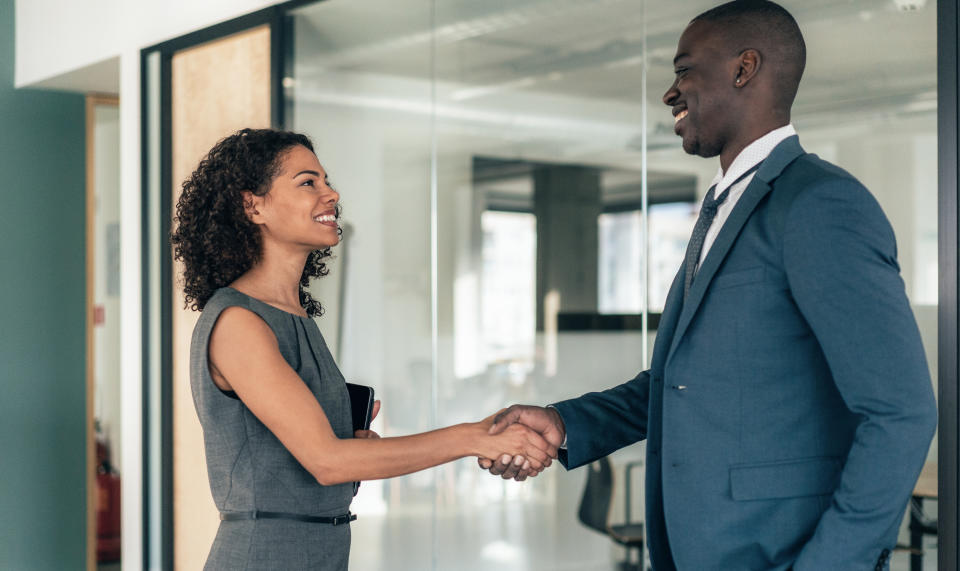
column 108, row 509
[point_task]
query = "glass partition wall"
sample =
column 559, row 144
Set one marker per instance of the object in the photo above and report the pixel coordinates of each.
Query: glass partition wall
column 515, row 206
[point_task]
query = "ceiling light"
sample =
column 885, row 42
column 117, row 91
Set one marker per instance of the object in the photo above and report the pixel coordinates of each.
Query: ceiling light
column 910, row 5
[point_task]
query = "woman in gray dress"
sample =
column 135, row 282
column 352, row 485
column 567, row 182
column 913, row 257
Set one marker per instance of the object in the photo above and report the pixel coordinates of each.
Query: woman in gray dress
column 254, row 223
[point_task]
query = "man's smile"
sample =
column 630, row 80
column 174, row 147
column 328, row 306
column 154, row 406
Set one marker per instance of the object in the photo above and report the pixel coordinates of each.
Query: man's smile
column 676, row 120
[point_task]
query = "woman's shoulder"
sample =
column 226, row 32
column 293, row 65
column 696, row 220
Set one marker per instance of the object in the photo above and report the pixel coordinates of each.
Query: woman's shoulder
column 232, row 311
column 226, row 297
column 221, row 300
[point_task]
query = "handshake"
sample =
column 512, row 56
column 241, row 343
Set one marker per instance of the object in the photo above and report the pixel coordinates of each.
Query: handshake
column 531, row 436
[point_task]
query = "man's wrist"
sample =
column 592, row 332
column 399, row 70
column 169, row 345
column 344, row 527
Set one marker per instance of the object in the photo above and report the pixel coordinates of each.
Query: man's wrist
column 563, row 445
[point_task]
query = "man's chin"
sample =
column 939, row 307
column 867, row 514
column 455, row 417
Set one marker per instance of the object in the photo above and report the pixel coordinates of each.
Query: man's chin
column 694, row 147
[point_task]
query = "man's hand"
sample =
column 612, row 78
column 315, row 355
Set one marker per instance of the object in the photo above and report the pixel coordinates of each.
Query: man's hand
column 546, row 421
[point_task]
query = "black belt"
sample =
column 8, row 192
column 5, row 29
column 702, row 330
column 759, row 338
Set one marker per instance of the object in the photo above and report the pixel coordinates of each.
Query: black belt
column 257, row 514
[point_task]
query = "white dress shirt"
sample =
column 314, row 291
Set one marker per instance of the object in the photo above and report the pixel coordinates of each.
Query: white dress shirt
column 749, row 157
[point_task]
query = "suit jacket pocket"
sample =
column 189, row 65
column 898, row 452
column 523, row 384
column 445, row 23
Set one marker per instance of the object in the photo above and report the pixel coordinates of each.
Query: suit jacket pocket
column 785, row 479
column 737, row 277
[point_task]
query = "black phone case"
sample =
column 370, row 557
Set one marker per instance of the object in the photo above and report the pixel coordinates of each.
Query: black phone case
column 361, row 405
column 361, row 409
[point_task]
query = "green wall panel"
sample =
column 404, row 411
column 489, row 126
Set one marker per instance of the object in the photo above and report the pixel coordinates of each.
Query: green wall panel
column 42, row 344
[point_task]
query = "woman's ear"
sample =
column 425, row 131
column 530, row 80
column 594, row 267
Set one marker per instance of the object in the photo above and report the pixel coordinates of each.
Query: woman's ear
column 251, row 202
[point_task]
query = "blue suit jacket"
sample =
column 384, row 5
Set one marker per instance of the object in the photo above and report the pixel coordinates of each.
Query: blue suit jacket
column 788, row 408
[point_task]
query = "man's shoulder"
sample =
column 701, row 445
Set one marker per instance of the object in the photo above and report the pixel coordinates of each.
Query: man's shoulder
column 818, row 187
column 809, row 170
column 811, row 178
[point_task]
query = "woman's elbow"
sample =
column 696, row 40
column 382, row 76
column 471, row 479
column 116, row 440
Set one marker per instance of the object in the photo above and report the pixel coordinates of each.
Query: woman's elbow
column 329, row 475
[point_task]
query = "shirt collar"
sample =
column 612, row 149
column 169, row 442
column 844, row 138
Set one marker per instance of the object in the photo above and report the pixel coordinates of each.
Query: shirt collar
column 751, row 155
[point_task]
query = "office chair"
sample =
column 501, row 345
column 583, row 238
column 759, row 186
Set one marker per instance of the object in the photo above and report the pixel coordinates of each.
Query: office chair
column 595, row 510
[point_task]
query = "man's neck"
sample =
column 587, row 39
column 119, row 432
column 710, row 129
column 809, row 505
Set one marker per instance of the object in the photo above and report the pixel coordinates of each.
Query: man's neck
column 732, row 151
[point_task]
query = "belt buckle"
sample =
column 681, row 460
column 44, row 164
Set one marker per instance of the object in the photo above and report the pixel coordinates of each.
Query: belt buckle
column 342, row 519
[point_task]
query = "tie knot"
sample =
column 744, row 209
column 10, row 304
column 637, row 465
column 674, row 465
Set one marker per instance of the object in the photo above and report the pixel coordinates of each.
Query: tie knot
column 711, row 202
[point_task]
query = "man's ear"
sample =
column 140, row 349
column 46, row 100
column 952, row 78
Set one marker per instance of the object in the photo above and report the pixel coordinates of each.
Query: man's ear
column 748, row 64
column 251, row 203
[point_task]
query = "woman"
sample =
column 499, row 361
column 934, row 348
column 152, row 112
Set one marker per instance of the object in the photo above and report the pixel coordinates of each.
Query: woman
column 254, row 223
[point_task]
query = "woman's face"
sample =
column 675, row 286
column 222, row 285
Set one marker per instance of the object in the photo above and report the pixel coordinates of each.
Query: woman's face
column 300, row 209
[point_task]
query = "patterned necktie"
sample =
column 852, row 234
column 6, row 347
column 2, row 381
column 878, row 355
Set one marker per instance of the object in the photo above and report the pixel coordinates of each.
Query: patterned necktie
column 707, row 213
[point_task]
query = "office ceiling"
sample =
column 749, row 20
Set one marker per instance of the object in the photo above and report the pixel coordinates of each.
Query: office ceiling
column 867, row 59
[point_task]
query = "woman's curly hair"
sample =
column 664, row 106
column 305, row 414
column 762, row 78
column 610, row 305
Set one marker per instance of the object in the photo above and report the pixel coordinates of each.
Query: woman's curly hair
column 213, row 237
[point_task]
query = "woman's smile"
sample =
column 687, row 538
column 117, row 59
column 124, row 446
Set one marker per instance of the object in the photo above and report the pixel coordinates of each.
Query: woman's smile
column 327, row 219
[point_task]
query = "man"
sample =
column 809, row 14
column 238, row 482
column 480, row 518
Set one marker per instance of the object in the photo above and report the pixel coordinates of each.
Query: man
column 788, row 408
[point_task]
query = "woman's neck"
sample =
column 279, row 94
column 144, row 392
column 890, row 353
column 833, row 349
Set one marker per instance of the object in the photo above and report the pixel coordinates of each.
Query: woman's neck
column 275, row 279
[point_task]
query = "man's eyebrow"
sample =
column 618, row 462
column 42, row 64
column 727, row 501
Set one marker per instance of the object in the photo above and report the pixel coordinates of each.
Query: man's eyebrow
column 679, row 57
column 314, row 173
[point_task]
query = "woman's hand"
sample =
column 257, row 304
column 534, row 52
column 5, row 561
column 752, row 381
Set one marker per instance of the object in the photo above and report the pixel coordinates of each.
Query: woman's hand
column 369, row 433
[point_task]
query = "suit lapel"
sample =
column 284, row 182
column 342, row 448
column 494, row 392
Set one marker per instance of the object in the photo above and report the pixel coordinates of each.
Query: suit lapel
column 781, row 156
column 668, row 321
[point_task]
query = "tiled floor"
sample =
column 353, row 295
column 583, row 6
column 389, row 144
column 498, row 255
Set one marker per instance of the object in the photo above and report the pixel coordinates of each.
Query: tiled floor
column 522, row 535
column 467, row 544
column 459, row 550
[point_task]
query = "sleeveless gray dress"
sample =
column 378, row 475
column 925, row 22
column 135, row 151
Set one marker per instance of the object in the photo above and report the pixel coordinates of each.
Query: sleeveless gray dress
column 248, row 467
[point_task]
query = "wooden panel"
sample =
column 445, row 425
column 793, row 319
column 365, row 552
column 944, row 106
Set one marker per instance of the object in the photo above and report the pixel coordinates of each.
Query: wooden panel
column 217, row 88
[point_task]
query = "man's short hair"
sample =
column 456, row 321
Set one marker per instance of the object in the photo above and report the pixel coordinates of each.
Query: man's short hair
column 768, row 28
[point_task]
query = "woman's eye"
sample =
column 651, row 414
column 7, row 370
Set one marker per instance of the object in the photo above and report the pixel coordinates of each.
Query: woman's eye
column 307, row 183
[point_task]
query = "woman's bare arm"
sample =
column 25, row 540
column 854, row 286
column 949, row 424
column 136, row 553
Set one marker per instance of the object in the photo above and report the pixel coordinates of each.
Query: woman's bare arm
column 244, row 357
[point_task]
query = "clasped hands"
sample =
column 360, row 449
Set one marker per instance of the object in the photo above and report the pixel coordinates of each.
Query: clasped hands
column 544, row 421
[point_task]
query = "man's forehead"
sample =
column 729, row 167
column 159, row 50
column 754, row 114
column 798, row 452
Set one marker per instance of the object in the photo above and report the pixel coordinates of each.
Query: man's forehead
column 697, row 35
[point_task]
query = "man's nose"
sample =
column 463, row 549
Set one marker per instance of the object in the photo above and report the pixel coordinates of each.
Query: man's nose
column 671, row 95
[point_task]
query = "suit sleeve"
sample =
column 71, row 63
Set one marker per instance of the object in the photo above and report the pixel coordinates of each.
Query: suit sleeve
column 839, row 253
column 600, row 423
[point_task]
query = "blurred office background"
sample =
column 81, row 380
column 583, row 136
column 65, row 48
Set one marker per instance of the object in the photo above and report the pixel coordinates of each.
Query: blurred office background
column 515, row 207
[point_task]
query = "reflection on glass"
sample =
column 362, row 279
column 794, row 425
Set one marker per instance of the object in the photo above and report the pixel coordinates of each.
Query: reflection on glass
column 670, row 227
column 620, row 262
column 507, row 302
column 534, row 110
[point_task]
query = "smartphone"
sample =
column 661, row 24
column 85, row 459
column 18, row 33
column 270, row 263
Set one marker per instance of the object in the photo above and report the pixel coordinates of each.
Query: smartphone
column 361, row 405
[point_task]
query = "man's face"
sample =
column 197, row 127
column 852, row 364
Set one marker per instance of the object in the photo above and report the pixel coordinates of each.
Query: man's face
column 701, row 94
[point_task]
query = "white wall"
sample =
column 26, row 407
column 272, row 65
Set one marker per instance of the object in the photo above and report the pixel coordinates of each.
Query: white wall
column 56, row 38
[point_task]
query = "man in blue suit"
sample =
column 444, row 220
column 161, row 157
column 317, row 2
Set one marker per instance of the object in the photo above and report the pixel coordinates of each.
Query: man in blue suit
column 788, row 408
